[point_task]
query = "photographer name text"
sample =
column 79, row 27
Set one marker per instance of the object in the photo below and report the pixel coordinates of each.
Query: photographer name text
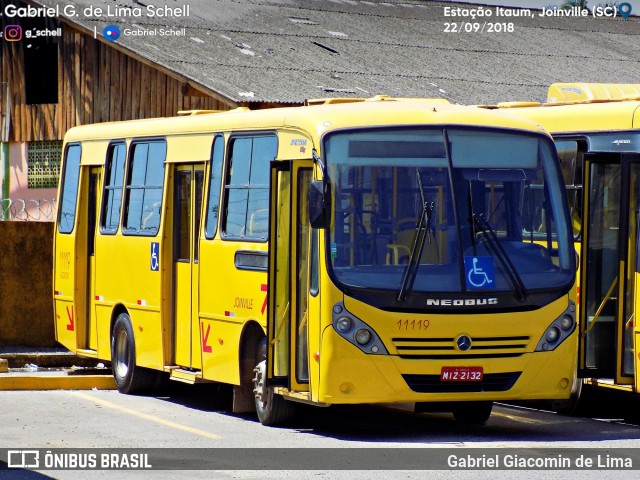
column 149, row 11
column 557, row 462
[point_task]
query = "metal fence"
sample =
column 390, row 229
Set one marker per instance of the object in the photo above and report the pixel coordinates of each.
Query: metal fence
column 20, row 209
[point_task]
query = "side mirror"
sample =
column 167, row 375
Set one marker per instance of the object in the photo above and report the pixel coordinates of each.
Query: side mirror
column 319, row 202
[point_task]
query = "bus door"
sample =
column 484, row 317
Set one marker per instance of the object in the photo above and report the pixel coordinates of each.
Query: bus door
column 91, row 340
column 288, row 314
column 187, row 202
column 609, row 264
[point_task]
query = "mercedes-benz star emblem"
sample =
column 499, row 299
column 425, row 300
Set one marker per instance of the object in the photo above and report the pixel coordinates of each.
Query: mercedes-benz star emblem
column 463, row 343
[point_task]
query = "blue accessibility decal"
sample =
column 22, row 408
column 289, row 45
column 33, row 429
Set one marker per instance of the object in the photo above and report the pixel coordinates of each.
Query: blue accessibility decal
column 155, row 256
column 479, row 273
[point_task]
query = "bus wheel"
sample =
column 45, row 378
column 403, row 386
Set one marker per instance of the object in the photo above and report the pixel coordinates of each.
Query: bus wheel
column 272, row 409
column 476, row 413
column 572, row 405
column 128, row 376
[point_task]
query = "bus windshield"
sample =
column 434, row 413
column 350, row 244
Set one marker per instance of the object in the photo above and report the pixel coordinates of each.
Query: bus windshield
column 418, row 210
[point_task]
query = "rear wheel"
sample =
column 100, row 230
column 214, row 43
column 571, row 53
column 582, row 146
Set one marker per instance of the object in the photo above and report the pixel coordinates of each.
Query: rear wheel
column 129, row 377
column 272, row 409
column 476, row 413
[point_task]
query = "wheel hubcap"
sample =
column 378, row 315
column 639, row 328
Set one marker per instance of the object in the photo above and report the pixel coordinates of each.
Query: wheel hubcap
column 122, row 355
column 259, row 384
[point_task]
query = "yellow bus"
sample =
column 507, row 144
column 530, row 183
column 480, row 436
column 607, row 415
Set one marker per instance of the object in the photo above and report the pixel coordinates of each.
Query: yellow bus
column 596, row 128
column 344, row 252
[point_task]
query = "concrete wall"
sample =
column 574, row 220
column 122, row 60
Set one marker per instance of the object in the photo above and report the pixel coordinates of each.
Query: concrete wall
column 26, row 264
column 26, row 199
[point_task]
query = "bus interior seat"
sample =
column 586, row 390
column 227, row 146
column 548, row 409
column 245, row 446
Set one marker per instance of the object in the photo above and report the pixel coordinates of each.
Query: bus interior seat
column 399, row 250
column 259, row 222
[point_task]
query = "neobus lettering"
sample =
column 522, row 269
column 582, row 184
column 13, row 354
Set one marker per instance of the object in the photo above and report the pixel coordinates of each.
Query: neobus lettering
column 461, row 302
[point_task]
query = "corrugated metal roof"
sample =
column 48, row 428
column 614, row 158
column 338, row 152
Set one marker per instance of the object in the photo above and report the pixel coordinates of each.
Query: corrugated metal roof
column 290, row 50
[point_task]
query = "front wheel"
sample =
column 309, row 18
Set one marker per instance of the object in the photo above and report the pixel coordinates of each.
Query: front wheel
column 476, row 413
column 572, row 405
column 272, row 409
column 129, row 377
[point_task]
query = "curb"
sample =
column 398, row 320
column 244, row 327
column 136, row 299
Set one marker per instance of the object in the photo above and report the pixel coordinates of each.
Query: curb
column 55, row 381
column 47, row 359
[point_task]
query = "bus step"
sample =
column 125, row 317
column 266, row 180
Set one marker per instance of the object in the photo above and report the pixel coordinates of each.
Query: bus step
column 186, row 376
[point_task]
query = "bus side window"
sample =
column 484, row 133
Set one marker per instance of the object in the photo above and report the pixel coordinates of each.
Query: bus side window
column 217, row 157
column 69, row 195
column 144, row 188
column 247, row 188
column 114, row 180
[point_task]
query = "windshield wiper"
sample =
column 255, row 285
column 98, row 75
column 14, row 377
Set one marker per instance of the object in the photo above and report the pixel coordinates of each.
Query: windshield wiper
column 497, row 250
column 423, row 230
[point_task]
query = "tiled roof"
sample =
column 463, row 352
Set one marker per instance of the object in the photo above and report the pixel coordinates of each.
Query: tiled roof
column 290, row 50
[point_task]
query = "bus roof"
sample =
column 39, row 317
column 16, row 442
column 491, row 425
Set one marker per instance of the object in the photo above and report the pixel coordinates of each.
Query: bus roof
column 582, row 107
column 315, row 120
column 589, row 117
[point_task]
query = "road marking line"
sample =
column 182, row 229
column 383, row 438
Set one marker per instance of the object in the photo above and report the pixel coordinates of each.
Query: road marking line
column 516, row 418
column 146, row 416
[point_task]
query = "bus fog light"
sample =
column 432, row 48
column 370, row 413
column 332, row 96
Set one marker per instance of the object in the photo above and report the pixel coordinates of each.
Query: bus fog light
column 343, row 324
column 363, row 336
column 553, row 334
column 566, row 323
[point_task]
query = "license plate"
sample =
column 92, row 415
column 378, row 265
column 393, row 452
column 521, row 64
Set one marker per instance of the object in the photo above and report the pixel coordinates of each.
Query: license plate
column 461, row 374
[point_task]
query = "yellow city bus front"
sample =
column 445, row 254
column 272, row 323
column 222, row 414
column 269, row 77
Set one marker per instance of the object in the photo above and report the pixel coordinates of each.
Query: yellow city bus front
column 430, row 277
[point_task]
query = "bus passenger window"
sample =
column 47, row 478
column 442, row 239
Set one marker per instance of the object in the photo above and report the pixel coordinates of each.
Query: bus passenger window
column 217, row 157
column 144, row 189
column 112, row 197
column 247, row 189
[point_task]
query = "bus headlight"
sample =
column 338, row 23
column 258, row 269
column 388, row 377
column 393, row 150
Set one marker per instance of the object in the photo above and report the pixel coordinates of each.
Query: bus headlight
column 566, row 323
column 356, row 332
column 363, row 336
column 559, row 330
column 552, row 334
column 343, row 325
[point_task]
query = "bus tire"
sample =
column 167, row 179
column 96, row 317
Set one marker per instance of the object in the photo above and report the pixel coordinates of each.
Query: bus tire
column 475, row 413
column 571, row 406
column 272, row 409
column 129, row 377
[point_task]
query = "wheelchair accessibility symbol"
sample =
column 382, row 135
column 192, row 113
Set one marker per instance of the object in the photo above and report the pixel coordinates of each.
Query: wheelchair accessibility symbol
column 479, row 273
column 155, row 259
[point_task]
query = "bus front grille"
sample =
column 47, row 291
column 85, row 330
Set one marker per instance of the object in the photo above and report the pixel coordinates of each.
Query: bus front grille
column 491, row 382
column 445, row 348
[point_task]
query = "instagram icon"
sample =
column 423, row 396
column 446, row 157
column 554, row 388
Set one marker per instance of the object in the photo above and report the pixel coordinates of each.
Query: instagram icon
column 13, row 33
